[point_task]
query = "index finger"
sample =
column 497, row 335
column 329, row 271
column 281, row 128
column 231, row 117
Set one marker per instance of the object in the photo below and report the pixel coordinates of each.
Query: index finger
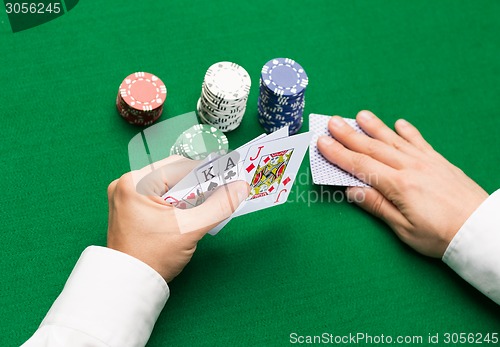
column 367, row 169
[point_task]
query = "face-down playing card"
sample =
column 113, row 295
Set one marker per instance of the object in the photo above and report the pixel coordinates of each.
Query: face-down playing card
column 323, row 172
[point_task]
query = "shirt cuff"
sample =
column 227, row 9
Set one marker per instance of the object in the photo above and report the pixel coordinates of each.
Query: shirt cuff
column 474, row 252
column 111, row 296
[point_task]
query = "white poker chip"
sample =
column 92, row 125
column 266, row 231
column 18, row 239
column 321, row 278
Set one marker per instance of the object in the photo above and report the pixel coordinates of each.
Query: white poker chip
column 224, row 96
column 227, row 80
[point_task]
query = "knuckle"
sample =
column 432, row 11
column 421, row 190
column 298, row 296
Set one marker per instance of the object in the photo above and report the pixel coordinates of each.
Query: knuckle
column 349, row 131
column 398, row 145
column 404, row 183
column 111, row 187
column 332, row 153
column 377, row 206
column 422, row 165
column 359, row 162
column 123, row 183
column 399, row 181
column 403, row 234
column 372, row 149
column 335, row 151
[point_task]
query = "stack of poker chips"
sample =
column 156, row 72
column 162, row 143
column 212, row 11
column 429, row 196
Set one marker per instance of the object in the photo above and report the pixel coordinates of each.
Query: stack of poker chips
column 281, row 101
column 224, row 95
column 199, row 141
column 140, row 98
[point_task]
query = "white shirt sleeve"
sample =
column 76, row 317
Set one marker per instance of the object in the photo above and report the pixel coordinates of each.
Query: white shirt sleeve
column 110, row 299
column 474, row 252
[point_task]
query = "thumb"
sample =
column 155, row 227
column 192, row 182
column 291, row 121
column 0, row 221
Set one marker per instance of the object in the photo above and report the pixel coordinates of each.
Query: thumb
column 219, row 206
column 372, row 201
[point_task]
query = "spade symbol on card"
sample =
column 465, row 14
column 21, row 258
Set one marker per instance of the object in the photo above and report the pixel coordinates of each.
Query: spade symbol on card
column 212, row 186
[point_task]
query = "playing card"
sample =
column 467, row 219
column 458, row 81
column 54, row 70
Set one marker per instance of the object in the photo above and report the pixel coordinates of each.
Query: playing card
column 189, row 184
column 324, row 172
column 208, row 175
column 217, row 172
column 194, row 197
column 243, row 152
column 270, row 169
column 278, row 134
column 185, row 198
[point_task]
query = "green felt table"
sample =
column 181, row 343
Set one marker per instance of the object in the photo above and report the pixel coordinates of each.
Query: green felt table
column 308, row 266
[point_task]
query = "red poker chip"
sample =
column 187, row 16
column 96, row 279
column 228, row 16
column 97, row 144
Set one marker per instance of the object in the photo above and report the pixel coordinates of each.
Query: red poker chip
column 140, row 98
column 143, row 91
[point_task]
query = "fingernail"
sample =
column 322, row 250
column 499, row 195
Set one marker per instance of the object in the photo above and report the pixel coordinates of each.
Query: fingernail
column 243, row 194
column 326, row 140
column 337, row 122
column 359, row 196
column 403, row 123
column 365, row 116
column 355, row 194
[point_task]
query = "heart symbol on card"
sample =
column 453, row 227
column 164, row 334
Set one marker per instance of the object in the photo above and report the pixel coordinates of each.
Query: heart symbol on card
column 191, row 196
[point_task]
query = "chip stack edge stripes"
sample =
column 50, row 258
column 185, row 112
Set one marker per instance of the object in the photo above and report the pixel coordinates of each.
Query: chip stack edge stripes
column 224, row 95
column 281, row 102
column 140, row 98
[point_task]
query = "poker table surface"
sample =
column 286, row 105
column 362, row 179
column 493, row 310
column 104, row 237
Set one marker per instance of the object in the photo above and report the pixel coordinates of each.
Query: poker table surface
column 313, row 265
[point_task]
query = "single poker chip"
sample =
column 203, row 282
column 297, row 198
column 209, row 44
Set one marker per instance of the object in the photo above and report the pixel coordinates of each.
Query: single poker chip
column 200, row 140
column 140, row 98
column 284, row 76
column 143, row 91
column 227, row 80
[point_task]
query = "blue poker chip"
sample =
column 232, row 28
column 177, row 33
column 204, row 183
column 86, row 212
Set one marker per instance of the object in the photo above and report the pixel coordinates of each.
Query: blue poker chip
column 281, row 100
column 284, row 76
